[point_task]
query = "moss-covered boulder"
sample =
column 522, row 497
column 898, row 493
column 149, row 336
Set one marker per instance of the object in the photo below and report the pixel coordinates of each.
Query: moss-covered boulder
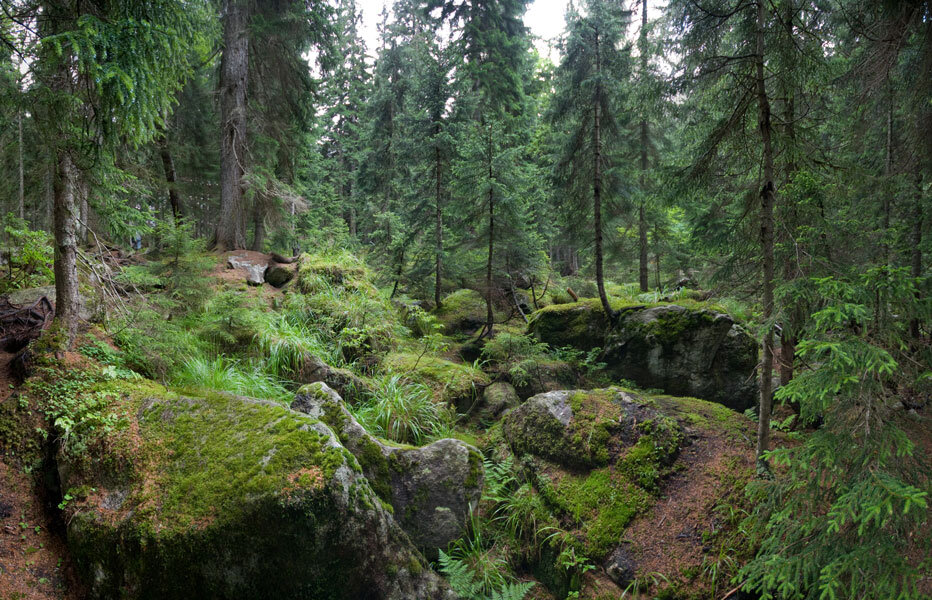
column 432, row 490
column 228, row 497
column 455, row 383
column 496, row 399
column 277, row 275
column 541, row 375
column 580, row 325
column 685, row 352
column 580, row 429
column 462, row 312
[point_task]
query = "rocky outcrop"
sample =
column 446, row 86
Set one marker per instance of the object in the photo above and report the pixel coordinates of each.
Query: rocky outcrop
column 581, row 325
column 683, row 351
column 227, row 497
column 432, row 489
column 350, row 386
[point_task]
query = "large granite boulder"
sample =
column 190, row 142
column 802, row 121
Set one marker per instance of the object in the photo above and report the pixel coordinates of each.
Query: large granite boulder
column 581, row 325
column 588, row 429
column 432, row 489
column 685, row 352
column 229, row 497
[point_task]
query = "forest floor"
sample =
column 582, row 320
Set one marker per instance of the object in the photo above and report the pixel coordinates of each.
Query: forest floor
column 34, row 559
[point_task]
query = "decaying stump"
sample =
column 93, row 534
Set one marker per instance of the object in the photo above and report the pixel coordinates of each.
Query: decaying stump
column 20, row 324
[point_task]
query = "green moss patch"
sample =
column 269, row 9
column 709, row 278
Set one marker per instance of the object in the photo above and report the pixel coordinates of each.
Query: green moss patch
column 601, row 504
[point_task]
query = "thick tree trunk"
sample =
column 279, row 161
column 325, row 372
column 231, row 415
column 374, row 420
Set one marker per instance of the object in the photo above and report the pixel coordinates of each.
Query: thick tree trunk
column 597, row 186
column 168, row 164
column 234, row 66
column 438, row 228
column 67, row 300
column 490, row 317
column 642, row 220
column 49, row 220
column 766, row 218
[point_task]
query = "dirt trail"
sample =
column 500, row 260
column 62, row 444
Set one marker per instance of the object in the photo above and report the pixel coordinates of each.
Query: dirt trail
column 34, row 560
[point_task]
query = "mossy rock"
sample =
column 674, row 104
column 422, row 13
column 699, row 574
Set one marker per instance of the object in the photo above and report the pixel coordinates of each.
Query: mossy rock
column 230, row 497
column 587, row 428
column 462, row 312
column 454, row 383
column 496, row 399
column 544, row 375
column 432, row 490
column 685, row 352
column 350, row 386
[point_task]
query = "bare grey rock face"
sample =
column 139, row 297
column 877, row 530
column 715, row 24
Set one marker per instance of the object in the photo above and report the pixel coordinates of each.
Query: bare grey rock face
column 254, row 268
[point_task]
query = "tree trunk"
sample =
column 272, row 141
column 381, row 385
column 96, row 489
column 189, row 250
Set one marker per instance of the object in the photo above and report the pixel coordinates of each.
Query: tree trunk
column 490, row 317
column 642, row 221
column 49, row 220
column 168, row 164
column 767, row 204
column 67, row 300
column 82, row 190
column 597, row 185
column 657, row 272
column 21, row 198
column 916, row 262
column 793, row 319
column 231, row 229
column 258, row 222
column 438, row 232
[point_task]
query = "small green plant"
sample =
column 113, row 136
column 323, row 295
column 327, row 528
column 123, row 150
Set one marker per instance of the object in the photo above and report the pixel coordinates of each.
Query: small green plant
column 31, row 255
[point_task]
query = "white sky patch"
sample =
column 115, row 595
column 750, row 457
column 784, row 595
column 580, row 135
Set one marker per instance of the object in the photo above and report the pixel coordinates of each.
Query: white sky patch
column 544, row 18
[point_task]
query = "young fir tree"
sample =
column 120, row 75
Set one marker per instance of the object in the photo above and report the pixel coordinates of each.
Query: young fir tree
column 590, row 87
column 494, row 44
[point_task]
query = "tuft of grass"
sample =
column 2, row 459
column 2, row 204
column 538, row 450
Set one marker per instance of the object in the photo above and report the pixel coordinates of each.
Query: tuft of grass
column 228, row 375
column 405, row 412
column 286, row 345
